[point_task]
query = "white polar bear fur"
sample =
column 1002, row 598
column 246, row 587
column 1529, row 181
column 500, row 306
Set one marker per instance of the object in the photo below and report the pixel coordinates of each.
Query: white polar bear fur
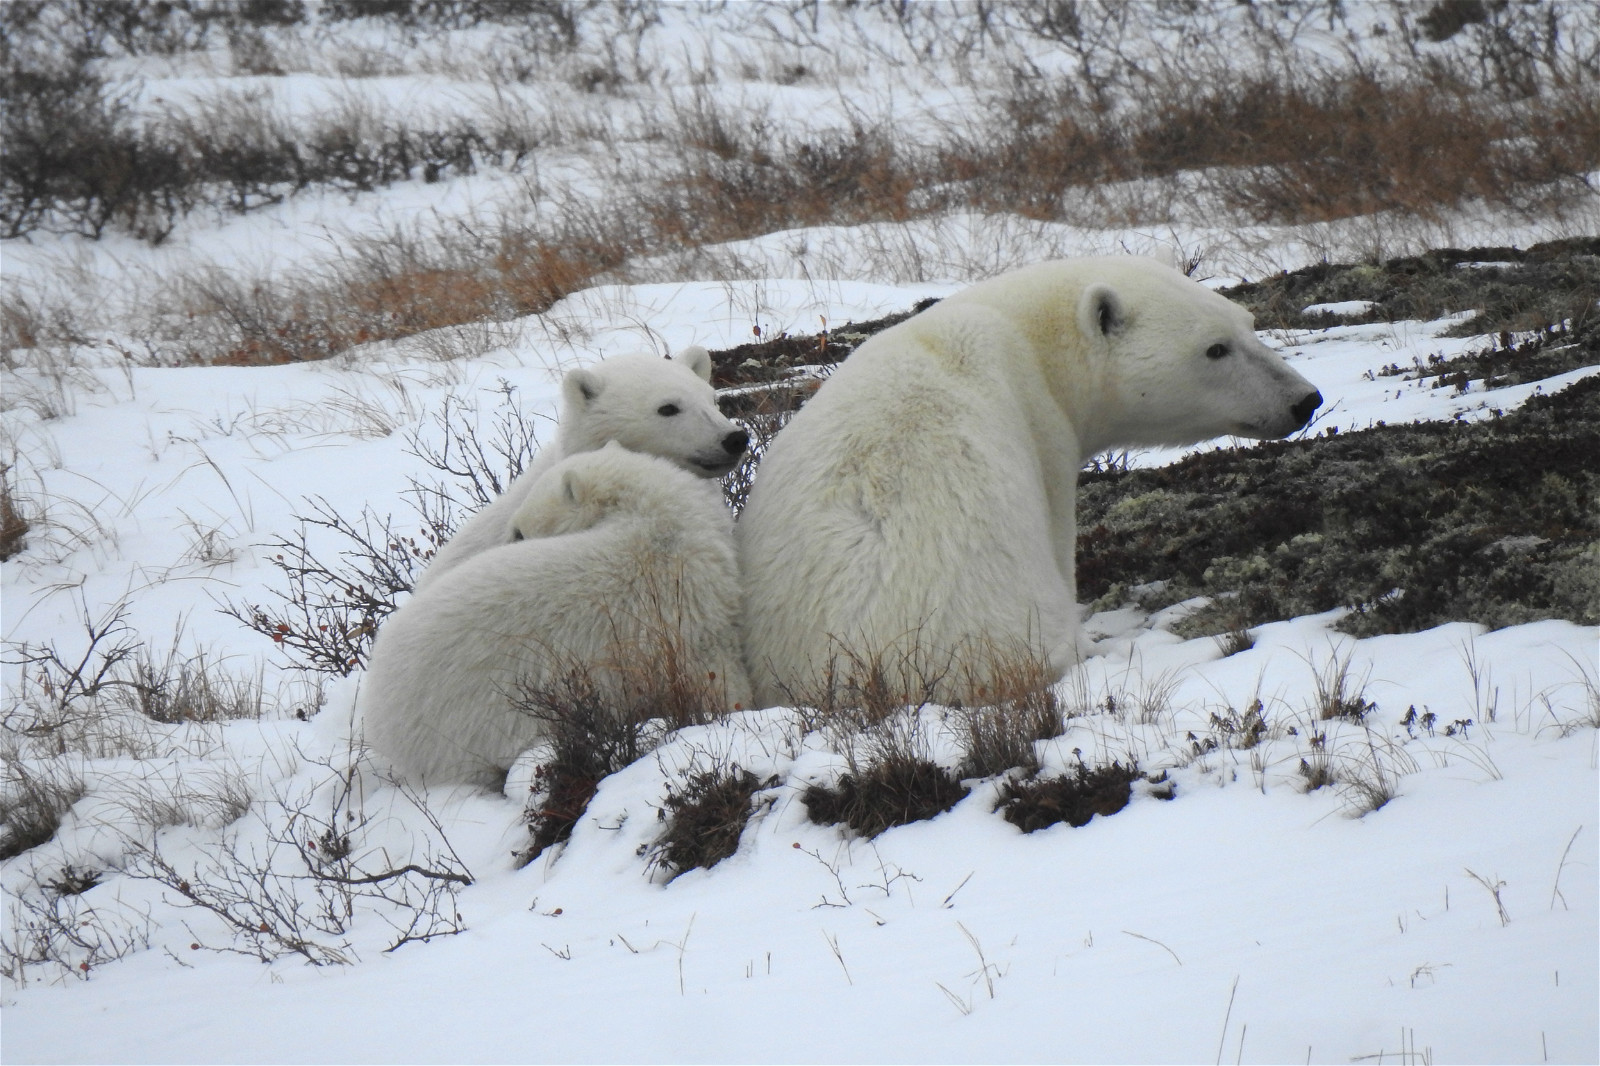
column 921, row 506
column 624, row 554
column 617, row 399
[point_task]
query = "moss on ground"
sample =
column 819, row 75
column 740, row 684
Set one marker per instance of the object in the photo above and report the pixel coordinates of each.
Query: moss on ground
column 1495, row 522
column 1509, row 289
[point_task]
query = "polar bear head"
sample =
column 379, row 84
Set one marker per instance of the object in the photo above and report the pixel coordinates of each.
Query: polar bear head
column 1136, row 353
column 580, row 491
column 1177, row 362
column 663, row 407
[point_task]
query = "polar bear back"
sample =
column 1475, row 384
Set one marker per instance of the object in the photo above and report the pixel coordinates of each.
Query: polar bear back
column 913, row 452
column 639, row 561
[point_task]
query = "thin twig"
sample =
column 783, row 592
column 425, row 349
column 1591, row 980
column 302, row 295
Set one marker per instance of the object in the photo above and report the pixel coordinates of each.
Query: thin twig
column 1226, row 1018
column 1555, row 890
column 1157, row 943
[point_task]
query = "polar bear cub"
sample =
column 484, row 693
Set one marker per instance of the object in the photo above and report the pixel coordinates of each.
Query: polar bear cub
column 918, row 513
column 663, row 407
column 621, row 573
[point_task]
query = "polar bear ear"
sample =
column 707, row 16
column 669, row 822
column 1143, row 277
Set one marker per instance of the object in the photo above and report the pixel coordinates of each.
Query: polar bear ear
column 697, row 359
column 570, row 486
column 1100, row 311
column 580, row 387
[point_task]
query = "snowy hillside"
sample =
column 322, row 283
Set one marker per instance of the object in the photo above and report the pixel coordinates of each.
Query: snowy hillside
column 1307, row 846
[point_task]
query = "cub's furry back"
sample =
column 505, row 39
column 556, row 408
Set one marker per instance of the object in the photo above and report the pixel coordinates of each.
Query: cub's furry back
column 623, row 581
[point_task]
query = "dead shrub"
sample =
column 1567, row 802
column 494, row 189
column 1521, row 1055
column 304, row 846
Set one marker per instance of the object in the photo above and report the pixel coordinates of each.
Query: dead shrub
column 1339, row 692
column 66, row 933
column 329, row 616
column 480, row 462
column 587, row 743
column 876, row 706
column 59, row 686
column 345, row 576
column 190, row 688
column 862, row 690
column 317, row 875
column 34, row 798
column 71, row 881
column 761, row 411
column 706, row 817
column 1014, row 707
column 1316, row 767
column 1235, row 640
column 1311, row 148
column 1075, row 798
column 600, row 717
column 74, row 158
column 14, row 518
column 737, row 177
column 1359, row 146
column 1318, row 146
column 885, row 794
column 396, row 286
column 1032, row 147
column 1243, row 730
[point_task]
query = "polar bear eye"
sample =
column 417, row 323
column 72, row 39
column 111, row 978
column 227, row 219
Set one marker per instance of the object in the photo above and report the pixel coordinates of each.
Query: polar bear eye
column 667, row 410
column 1216, row 351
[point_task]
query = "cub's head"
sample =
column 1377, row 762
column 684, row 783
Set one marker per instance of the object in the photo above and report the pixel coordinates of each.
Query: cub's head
column 663, row 407
column 584, row 490
column 1180, row 363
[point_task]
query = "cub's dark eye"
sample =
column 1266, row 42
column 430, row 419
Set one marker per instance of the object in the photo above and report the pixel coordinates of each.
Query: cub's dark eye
column 667, row 410
column 1216, row 351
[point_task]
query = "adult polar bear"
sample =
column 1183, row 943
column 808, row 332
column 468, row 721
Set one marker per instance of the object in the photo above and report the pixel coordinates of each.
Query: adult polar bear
column 621, row 573
column 918, row 513
column 663, row 407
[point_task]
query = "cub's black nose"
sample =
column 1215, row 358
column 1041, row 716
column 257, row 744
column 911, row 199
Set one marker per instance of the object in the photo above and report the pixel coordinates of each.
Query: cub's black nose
column 1302, row 411
column 735, row 442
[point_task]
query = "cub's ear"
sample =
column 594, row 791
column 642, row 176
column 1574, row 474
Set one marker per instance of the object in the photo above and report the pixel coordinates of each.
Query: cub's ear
column 571, row 487
column 1100, row 311
column 697, row 359
column 580, row 388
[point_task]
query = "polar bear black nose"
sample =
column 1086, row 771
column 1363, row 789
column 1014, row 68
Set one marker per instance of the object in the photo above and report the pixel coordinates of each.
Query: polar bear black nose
column 1302, row 410
column 735, row 442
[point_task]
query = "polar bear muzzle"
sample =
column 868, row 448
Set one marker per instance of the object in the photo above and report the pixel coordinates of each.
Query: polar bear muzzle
column 1303, row 410
column 733, row 446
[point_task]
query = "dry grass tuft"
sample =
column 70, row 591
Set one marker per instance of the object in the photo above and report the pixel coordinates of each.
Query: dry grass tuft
column 1316, row 766
column 1014, row 707
column 1074, row 798
column 396, row 287
column 706, row 817
column 34, row 798
column 876, row 706
column 190, row 688
column 14, row 518
column 886, row 794
column 600, row 717
column 1339, row 694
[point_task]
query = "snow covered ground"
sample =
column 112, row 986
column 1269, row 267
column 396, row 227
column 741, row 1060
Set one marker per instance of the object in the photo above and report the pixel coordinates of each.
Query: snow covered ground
column 1246, row 918
column 1123, row 940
